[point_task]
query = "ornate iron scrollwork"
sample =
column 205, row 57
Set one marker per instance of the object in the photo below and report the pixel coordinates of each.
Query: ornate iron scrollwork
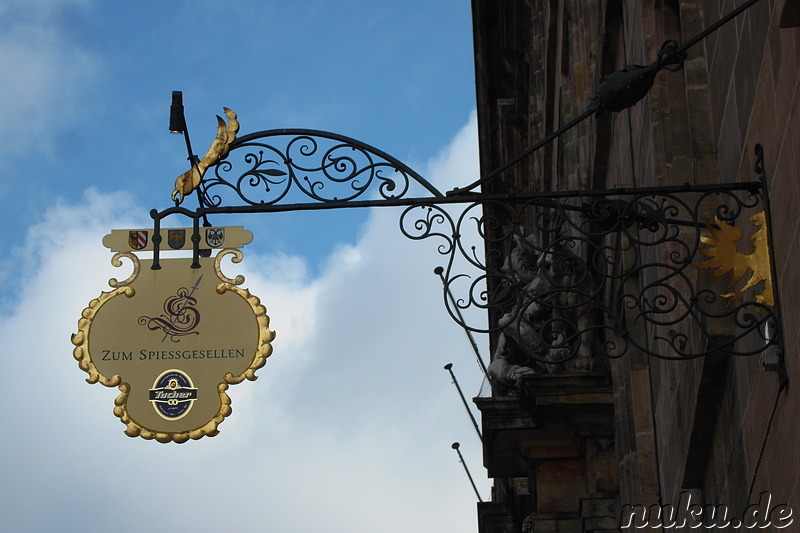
column 269, row 167
column 567, row 280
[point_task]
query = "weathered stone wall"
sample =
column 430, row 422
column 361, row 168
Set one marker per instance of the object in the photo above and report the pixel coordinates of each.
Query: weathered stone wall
column 700, row 125
column 719, row 427
column 754, row 77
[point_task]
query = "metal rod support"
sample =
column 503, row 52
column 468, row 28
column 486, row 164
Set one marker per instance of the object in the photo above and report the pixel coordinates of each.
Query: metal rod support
column 781, row 363
column 679, row 51
column 449, row 368
column 537, row 198
column 461, row 459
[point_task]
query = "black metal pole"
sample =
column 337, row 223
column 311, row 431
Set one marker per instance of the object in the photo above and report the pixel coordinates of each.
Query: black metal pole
column 461, row 458
column 779, row 365
column 677, row 51
column 449, row 368
column 177, row 124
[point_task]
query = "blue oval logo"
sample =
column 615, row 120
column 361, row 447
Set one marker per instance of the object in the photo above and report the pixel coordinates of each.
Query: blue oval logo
column 173, row 394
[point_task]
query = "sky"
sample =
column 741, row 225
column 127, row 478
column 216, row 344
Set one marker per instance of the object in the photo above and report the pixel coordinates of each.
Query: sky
column 350, row 424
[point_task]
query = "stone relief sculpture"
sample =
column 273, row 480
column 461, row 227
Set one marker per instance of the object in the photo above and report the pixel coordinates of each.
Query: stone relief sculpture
column 548, row 329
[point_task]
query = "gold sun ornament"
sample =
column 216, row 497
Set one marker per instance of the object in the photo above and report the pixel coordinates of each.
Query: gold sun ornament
column 226, row 134
column 721, row 246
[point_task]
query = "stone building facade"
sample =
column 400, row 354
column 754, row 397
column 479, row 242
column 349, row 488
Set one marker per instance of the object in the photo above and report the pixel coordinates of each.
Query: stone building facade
column 570, row 450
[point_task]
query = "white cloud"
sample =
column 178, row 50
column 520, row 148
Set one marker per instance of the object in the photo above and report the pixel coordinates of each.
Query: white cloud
column 44, row 72
column 347, row 429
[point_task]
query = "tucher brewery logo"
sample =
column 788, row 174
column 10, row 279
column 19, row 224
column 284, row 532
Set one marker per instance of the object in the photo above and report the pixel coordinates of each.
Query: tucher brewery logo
column 173, row 394
column 174, row 336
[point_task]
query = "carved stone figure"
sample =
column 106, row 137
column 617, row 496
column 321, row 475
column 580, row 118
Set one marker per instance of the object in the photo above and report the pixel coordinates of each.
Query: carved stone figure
column 505, row 375
column 548, row 329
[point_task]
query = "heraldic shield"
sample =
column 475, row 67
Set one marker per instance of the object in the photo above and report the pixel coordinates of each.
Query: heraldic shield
column 173, row 340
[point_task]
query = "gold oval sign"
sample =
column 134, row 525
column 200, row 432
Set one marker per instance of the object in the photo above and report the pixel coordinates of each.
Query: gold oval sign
column 173, row 340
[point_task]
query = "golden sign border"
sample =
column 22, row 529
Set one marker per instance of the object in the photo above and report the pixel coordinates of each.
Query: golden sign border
column 85, row 363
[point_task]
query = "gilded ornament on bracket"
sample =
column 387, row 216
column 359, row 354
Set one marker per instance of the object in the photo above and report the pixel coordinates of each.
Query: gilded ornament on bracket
column 226, row 134
column 721, row 246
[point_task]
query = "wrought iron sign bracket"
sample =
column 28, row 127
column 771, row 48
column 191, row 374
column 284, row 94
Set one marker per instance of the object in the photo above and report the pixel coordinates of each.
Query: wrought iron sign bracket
column 569, row 278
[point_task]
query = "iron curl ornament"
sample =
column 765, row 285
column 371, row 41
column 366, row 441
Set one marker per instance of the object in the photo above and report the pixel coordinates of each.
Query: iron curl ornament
column 570, row 279
column 269, row 167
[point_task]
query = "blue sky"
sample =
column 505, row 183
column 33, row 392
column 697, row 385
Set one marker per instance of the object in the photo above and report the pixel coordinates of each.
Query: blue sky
column 90, row 105
column 350, row 424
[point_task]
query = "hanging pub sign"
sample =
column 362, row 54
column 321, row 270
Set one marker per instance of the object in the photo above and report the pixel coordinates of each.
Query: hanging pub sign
column 175, row 337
